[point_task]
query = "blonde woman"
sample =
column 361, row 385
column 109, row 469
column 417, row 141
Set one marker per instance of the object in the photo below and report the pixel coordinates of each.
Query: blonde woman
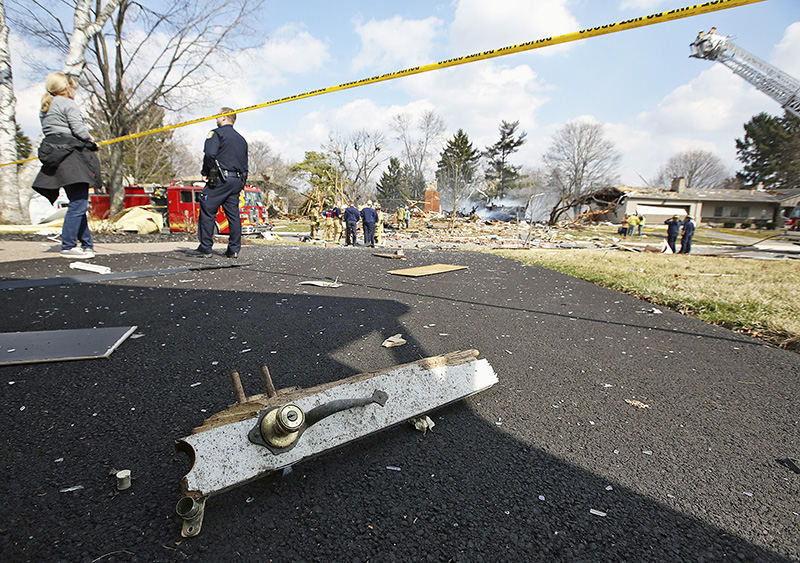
column 69, row 161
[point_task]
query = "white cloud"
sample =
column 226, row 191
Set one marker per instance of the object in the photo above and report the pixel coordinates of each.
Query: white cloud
column 785, row 54
column 396, row 42
column 639, row 4
column 290, row 50
column 481, row 25
column 250, row 75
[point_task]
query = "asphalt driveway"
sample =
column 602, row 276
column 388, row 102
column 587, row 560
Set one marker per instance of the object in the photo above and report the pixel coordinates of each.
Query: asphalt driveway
column 687, row 473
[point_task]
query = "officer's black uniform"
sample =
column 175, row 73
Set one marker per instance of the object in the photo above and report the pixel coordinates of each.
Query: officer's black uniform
column 225, row 156
column 673, row 228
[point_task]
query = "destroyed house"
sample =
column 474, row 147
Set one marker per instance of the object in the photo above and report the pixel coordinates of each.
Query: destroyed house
column 713, row 207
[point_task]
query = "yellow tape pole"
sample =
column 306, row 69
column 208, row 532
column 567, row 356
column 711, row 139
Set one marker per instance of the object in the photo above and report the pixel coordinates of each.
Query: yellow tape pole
column 660, row 17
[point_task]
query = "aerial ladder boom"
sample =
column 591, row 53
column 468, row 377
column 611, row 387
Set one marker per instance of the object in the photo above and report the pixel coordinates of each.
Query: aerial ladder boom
column 775, row 83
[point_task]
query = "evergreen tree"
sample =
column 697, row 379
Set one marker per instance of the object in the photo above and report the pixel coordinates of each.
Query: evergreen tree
column 395, row 185
column 24, row 145
column 770, row 151
column 501, row 176
column 456, row 168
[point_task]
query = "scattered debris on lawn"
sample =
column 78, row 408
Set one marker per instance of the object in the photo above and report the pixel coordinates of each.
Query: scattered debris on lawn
column 427, row 270
column 96, row 268
column 637, row 404
column 395, row 340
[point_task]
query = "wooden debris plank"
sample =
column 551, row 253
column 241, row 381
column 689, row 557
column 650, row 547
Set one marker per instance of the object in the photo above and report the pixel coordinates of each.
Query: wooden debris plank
column 427, row 270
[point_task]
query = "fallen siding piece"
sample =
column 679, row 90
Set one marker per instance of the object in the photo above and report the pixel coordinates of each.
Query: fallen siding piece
column 96, row 268
column 92, row 278
column 427, row 270
column 321, row 283
column 61, row 345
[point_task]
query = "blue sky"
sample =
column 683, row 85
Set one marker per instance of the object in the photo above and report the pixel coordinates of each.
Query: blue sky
column 653, row 100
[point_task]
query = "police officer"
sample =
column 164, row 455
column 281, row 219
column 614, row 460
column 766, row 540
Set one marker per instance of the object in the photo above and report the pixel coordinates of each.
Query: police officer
column 673, row 228
column 225, row 173
column 686, row 235
column 369, row 218
column 351, row 217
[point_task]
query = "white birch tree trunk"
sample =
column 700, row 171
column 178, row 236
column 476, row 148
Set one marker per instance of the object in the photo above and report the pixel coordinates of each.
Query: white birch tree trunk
column 15, row 183
column 83, row 29
column 10, row 210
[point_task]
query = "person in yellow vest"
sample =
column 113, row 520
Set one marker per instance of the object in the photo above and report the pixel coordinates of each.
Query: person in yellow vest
column 640, row 225
column 633, row 223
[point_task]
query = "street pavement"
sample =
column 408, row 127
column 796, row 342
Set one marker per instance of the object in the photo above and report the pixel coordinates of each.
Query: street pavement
column 552, row 463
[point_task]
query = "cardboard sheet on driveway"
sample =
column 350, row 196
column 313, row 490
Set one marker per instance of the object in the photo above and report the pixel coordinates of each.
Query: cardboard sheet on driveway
column 61, row 345
column 427, row 270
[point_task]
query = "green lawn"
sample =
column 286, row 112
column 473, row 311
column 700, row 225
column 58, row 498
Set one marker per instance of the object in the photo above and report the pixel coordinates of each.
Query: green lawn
column 757, row 297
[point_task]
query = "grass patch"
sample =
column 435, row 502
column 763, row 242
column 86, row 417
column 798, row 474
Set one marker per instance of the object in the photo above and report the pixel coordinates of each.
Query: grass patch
column 756, row 297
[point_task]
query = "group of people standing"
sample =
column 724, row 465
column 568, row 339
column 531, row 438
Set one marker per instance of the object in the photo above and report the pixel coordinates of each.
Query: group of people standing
column 337, row 221
column 631, row 223
column 68, row 154
column 684, row 228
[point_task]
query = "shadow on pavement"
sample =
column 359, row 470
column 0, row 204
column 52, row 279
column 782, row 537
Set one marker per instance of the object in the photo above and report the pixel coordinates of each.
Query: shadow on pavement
column 466, row 491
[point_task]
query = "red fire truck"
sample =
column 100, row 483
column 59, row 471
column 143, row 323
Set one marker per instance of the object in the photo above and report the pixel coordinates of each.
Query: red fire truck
column 180, row 205
column 793, row 220
column 183, row 208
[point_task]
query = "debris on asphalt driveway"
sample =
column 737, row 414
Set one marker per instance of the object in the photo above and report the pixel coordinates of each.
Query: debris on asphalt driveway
column 637, row 404
column 71, row 489
column 393, row 468
column 653, row 311
column 321, row 283
column 422, row 423
column 261, row 433
column 123, row 479
column 396, row 255
column 392, row 341
column 60, row 345
column 96, row 268
column 790, row 463
column 597, row 512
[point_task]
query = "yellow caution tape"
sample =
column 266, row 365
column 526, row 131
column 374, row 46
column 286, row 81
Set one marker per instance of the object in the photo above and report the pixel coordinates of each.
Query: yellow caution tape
column 659, row 17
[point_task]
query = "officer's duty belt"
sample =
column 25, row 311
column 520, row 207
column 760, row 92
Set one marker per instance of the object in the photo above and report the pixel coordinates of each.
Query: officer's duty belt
column 228, row 173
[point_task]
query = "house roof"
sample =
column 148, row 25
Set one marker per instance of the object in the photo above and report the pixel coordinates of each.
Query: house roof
column 787, row 197
column 752, row 196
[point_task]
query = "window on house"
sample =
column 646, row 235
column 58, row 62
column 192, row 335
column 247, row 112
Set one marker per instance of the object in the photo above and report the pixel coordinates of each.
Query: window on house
column 718, row 211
